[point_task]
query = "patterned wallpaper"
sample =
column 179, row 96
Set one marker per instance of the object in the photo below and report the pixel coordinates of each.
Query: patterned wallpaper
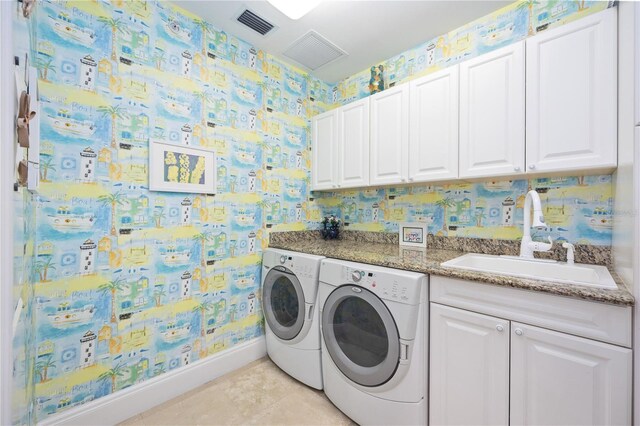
column 578, row 209
column 132, row 283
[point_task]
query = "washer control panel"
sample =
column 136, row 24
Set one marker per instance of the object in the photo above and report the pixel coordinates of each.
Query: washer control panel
column 386, row 285
column 300, row 267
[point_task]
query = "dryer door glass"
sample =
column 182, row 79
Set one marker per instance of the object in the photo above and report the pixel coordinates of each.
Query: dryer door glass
column 360, row 335
column 283, row 303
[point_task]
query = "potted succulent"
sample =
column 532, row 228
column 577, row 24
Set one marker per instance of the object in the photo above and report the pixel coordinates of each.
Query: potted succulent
column 330, row 227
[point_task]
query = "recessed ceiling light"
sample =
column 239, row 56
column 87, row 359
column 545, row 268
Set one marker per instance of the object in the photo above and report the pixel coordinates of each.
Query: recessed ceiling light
column 295, row 9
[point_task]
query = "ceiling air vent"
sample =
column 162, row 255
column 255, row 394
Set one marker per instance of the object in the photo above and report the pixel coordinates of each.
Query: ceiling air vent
column 255, row 22
column 313, row 51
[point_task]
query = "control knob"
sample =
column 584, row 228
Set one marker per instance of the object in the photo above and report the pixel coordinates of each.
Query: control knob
column 356, row 276
column 283, row 259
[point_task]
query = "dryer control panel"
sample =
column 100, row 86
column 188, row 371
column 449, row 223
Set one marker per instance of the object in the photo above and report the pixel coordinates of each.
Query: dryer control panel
column 403, row 287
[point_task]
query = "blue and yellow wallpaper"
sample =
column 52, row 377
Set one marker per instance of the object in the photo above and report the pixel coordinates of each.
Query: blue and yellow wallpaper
column 128, row 283
column 132, row 283
column 576, row 209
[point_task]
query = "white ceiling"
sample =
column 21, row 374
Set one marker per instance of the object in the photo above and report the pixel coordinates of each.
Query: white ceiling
column 369, row 31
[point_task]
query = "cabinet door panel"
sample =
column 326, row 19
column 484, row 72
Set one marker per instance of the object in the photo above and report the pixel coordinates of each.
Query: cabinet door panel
column 559, row 379
column 572, row 95
column 353, row 144
column 389, row 136
column 324, row 151
column 492, row 113
column 469, row 368
column 433, row 143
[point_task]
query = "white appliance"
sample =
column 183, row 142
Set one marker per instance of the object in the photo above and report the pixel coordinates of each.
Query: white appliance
column 289, row 291
column 374, row 342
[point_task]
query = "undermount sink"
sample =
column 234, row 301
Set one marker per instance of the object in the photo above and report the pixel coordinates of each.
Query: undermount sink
column 536, row 269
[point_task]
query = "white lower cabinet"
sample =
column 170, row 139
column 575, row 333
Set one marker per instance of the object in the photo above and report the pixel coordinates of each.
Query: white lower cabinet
column 559, row 379
column 469, row 368
column 496, row 370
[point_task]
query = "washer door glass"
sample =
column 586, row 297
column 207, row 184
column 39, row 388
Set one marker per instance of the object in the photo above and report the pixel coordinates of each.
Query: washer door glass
column 360, row 335
column 284, row 303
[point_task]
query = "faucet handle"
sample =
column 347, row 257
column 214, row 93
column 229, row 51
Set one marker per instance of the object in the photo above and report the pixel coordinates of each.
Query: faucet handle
column 540, row 246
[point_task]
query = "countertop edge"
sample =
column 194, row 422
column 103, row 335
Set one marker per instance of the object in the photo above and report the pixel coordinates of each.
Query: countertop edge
column 619, row 297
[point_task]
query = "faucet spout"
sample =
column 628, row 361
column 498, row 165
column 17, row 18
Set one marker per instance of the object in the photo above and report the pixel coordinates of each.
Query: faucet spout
column 527, row 246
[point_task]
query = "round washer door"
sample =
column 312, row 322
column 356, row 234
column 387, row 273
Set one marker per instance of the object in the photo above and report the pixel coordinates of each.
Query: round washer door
column 360, row 335
column 283, row 303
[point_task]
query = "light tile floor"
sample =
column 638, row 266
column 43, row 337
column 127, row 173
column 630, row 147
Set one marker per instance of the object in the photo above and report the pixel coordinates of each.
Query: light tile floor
column 258, row 394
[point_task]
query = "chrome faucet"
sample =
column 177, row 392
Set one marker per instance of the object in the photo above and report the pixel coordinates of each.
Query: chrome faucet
column 528, row 246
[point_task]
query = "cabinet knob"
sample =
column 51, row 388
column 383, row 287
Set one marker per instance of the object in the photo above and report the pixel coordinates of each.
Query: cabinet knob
column 410, row 179
column 403, row 180
column 334, row 186
column 500, row 328
column 516, row 168
column 338, row 186
column 518, row 331
column 532, row 166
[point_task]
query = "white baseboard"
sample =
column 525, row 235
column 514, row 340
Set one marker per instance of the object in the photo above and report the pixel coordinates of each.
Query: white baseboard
column 127, row 403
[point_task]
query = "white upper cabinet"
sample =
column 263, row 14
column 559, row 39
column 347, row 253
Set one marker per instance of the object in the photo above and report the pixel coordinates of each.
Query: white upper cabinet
column 469, row 368
column 353, row 144
column 559, row 379
column 572, row 95
column 433, row 135
column 324, row 151
column 389, row 136
column 492, row 113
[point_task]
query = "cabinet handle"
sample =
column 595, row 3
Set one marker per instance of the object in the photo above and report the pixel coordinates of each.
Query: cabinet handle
column 403, row 180
column 532, row 166
column 518, row 331
column 500, row 328
column 410, row 179
column 516, row 169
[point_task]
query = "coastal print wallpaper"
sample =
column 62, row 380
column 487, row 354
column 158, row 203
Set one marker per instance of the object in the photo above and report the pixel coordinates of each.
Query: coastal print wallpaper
column 576, row 209
column 514, row 22
column 130, row 283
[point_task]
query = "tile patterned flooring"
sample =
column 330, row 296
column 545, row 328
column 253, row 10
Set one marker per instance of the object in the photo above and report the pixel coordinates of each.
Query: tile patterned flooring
column 257, row 394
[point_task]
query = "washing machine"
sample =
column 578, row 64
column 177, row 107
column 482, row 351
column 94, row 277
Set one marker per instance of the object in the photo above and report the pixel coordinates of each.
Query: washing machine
column 374, row 342
column 289, row 292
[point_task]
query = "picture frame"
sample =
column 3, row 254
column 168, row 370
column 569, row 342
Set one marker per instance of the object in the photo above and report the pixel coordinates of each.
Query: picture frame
column 181, row 168
column 413, row 234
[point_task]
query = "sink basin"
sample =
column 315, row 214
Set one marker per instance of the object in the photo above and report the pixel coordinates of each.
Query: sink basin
column 543, row 270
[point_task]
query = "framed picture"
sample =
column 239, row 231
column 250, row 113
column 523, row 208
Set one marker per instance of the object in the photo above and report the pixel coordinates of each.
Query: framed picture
column 413, row 234
column 180, row 168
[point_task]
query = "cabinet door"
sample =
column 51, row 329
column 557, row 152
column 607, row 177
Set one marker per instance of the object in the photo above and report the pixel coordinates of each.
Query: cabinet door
column 492, row 113
column 559, row 379
column 572, row 95
column 324, row 151
column 389, row 136
column 353, row 144
column 433, row 128
column 469, row 368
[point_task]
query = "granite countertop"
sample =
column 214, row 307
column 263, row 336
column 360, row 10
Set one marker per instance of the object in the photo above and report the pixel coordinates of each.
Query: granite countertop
column 389, row 254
